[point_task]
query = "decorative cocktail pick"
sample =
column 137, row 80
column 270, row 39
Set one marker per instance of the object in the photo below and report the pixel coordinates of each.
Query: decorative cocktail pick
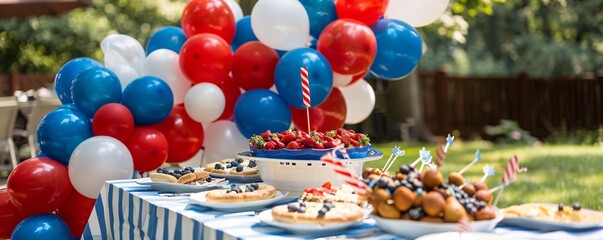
column 397, row 154
column 488, row 172
column 508, row 177
column 395, row 149
column 449, row 142
column 424, row 157
column 478, row 157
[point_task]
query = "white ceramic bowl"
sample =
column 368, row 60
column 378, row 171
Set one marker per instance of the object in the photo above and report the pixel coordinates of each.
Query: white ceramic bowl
column 295, row 175
column 414, row 229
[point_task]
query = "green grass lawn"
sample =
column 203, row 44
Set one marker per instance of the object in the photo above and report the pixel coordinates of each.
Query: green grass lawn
column 556, row 173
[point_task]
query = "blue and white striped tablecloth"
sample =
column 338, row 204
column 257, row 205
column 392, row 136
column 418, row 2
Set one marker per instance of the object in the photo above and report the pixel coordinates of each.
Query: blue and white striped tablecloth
column 126, row 210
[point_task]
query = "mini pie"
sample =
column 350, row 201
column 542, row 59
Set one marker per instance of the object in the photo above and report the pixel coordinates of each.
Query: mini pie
column 236, row 166
column 318, row 213
column 242, row 193
column 184, row 176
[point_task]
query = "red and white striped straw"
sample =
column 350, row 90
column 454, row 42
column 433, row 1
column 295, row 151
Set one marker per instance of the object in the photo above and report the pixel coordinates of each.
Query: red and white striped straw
column 305, row 82
column 349, row 177
column 341, row 148
column 511, row 170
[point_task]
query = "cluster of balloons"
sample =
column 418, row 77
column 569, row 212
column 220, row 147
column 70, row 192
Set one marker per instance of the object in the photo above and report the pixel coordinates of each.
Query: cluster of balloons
column 212, row 83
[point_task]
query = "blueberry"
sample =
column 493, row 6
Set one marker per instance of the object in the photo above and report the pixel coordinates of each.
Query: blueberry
column 239, row 160
column 252, row 164
column 417, row 184
column 177, row 175
column 322, row 212
column 411, row 168
column 404, row 169
column 255, row 185
column 302, row 204
column 416, row 213
column 457, row 195
column 302, row 209
column 480, row 205
column 237, row 189
column 292, row 207
column 234, row 163
column 218, row 166
column 208, row 179
column 382, row 183
column 160, row 170
column 328, row 205
column 228, row 165
column 407, row 185
column 239, row 168
column 178, row 171
column 577, row 207
column 190, row 169
column 560, row 207
column 172, row 174
column 392, row 186
column 472, row 211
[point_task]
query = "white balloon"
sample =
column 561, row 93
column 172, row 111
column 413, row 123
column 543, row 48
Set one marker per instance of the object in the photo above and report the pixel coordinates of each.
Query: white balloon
column 194, row 162
column 97, row 160
column 123, row 49
column 237, row 12
column 164, row 64
column 341, row 80
column 281, row 24
column 417, row 13
column 226, row 141
column 204, row 102
column 360, row 97
column 125, row 73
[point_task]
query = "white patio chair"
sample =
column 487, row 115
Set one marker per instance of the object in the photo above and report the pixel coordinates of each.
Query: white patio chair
column 8, row 116
column 42, row 106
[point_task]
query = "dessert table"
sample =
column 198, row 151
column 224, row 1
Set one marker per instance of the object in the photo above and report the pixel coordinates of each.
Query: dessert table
column 127, row 210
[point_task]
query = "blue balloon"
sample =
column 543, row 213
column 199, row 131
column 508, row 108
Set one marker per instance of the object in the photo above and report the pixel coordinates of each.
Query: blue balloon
column 61, row 130
column 288, row 81
column 171, row 38
column 93, row 88
column 399, row 49
column 41, row 155
column 149, row 99
column 243, row 33
column 259, row 110
column 64, row 78
column 321, row 13
column 45, row 226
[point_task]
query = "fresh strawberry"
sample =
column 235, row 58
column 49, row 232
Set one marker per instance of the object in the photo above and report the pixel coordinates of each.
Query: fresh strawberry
column 309, row 142
column 319, row 135
column 292, row 145
column 327, row 185
column 266, row 134
column 257, row 141
column 329, row 139
column 351, row 132
column 346, row 139
column 365, row 140
column 356, row 143
column 319, row 146
column 331, row 133
column 278, row 143
column 269, row 145
column 328, row 144
column 341, row 131
column 287, row 137
column 280, row 135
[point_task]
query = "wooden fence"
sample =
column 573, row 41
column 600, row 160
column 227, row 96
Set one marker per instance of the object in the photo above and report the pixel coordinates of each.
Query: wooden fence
column 14, row 81
column 538, row 105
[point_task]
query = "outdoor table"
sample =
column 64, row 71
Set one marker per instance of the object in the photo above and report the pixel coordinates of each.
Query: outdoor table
column 127, row 210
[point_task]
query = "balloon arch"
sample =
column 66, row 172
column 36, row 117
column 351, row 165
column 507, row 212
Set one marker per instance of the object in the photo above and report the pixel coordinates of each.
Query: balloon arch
column 212, row 83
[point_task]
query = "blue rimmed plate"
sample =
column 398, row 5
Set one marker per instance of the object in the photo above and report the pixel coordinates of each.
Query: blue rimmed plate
column 308, row 154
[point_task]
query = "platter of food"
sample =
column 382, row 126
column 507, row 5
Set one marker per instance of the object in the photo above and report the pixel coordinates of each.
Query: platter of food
column 552, row 217
column 242, row 197
column 187, row 180
column 235, row 170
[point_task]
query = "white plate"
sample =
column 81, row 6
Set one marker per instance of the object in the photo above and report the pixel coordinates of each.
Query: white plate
column 548, row 225
column 414, row 229
column 199, row 199
column 303, row 229
column 238, row 178
column 181, row 188
column 461, row 236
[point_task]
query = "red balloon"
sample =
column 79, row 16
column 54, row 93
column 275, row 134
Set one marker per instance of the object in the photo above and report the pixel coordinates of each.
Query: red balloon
column 39, row 185
column 355, row 78
column 149, row 148
column 10, row 216
column 205, row 58
column 208, row 16
column 253, row 65
column 349, row 45
column 327, row 116
column 365, row 11
column 184, row 135
column 113, row 120
column 75, row 212
column 231, row 92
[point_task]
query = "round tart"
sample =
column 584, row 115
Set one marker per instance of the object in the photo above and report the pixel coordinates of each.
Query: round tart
column 318, row 213
column 236, row 166
column 242, row 193
column 185, row 176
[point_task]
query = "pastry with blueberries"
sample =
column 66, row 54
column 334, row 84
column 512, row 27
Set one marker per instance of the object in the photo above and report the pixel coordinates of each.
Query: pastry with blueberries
column 242, row 193
column 237, row 166
column 184, row 176
column 318, row 213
